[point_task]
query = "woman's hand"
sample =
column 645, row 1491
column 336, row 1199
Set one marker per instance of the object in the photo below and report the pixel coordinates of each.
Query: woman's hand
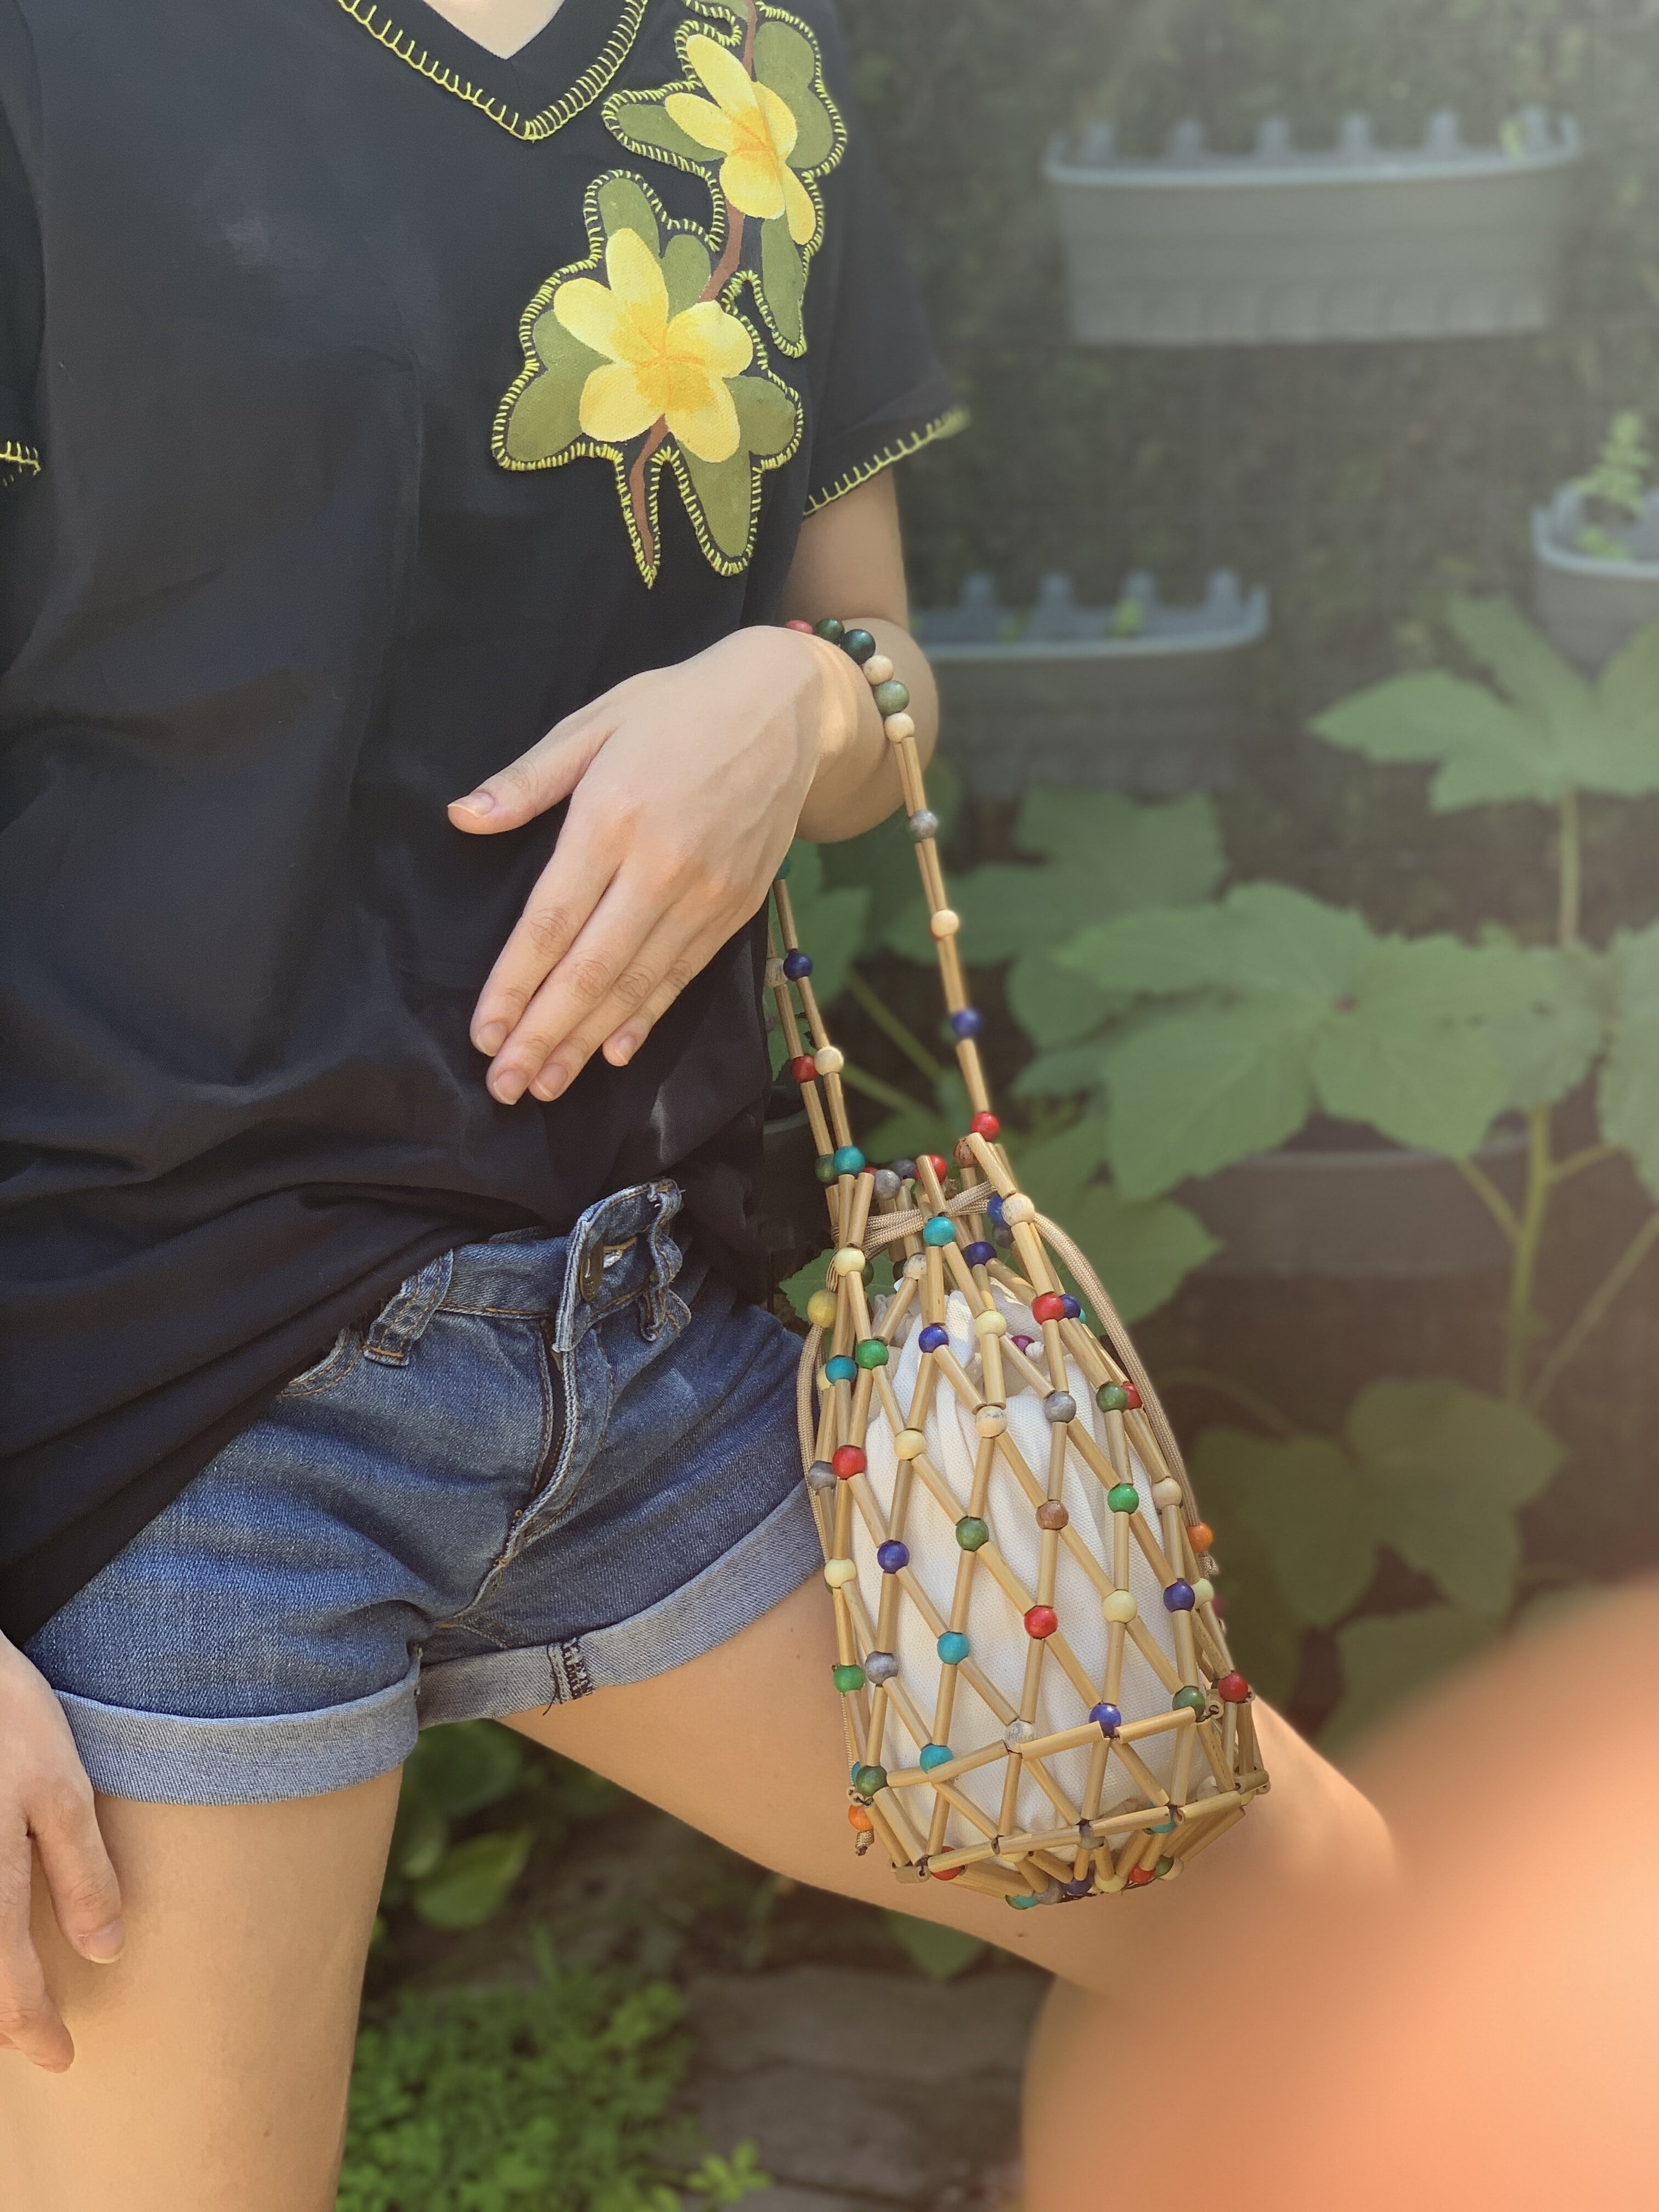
column 686, row 786
column 46, row 1803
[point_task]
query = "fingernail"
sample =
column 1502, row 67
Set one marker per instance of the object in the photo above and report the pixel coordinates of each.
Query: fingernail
column 491, row 1037
column 554, row 1079
column 506, row 1086
column 477, row 802
column 623, row 1050
column 106, row 1946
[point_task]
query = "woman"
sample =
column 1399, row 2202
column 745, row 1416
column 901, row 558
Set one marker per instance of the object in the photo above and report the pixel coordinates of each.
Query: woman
column 411, row 401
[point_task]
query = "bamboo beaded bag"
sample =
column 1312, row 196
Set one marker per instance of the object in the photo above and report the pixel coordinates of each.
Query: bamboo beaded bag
column 1038, row 1697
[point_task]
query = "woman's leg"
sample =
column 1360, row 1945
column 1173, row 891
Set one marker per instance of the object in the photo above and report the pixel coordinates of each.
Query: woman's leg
column 212, row 2060
column 746, row 1744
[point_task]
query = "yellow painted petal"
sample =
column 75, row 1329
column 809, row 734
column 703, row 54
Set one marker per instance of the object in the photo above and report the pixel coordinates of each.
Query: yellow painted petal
column 781, row 127
column 723, row 75
column 701, row 119
column 753, row 182
column 713, row 339
column 702, row 413
column 798, row 206
column 618, row 403
column 592, row 313
column 637, row 280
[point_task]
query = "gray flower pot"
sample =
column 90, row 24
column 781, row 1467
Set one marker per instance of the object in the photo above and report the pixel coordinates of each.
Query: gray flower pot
column 1378, row 1213
column 1287, row 245
column 1142, row 698
column 1588, row 606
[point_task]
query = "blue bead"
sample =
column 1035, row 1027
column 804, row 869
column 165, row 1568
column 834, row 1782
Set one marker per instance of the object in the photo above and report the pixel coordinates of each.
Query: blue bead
column 953, row 1647
column 1107, row 1718
column 891, row 1557
column 858, row 645
column 967, row 1024
column 904, row 1169
column 935, row 1754
column 941, row 1230
column 797, row 964
column 993, row 1212
column 1023, row 1901
column 933, row 1338
column 841, row 1369
column 1073, row 1308
column 979, row 1255
column 1081, row 1887
column 849, row 1160
column 1178, row 1598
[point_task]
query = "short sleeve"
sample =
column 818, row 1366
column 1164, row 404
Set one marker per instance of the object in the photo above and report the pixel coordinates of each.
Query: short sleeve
column 880, row 390
column 20, row 308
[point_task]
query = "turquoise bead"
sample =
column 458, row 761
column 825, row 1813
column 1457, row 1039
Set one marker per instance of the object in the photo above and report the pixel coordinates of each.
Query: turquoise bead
column 953, row 1647
column 872, row 1353
column 935, row 1754
column 849, row 1160
column 891, row 697
column 1023, row 1901
column 941, row 1230
column 840, row 1369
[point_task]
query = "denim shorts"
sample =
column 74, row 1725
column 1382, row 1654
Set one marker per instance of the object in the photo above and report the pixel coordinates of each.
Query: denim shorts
column 551, row 1464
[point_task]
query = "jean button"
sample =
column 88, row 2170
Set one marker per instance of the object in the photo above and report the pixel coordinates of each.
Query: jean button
column 591, row 1274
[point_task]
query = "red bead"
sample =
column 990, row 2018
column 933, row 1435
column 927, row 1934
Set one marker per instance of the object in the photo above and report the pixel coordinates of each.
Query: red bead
column 1140, row 1877
column 804, row 1069
column 1233, row 1688
column 1133, row 1397
column 1041, row 1620
column 848, row 1461
column 986, row 1125
column 806, row 627
column 947, row 1874
column 1049, row 1306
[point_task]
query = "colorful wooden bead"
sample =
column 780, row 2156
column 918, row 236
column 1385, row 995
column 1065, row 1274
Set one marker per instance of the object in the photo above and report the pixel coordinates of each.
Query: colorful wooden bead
column 1141, row 1877
column 1107, row 1718
column 1023, row 1901
column 1047, row 1305
column 1167, row 1493
column 888, row 1186
column 881, row 1667
column 820, row 1310
column 1041, row 1620
column 979, row 1254
column 1080, row 1886
column 991, row 1421
column 1203, row 1591
column 1073, row 1310
column 858, row 645
column 849, row 1160
column 1190, row 1699
column 806, row 627
column 986, row 1125
column 1123, row 1498
column 849, row 1261
column 831, row 631
column 849, row 1678
column 1059, row 1405
column 803, row 1067
column 825, row 1168
column 898, row 728
column 933, row 1338
column 871, row 1351
column 972, row 1533
column 1164, row 1866
column 840, row 1369
column 797, row 965
column 1112, row 1398
column 947, row 1874
column 938, row 1164
column 941, row 1230
column 1233, row 1689
column 878, row 669
column 1120, row 1605
column 990, row 1323
column 1025, row 1343
column 1178, row 1597
column 839, row 1572
column 910, row 1444
column 1052, row 1515
column 967, row 1022
column 924, row 824
column 820, row 1475
column 953, row 1647
column 847, row 1460
column 828, row 1059
column 1133, row 1396
column 1201, row 1537
column 904, row 1169
column 934, row 1755
column 891, row 697
column 1018, row 1209
column 892, row 1556
column 962, row 1153
column 945, row 922
column 869, row 1780
column 1018, row 1734
column 858, row 1817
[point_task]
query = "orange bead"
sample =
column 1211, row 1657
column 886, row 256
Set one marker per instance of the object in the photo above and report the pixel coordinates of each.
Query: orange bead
column 858, row 1818
column 1202, row 1535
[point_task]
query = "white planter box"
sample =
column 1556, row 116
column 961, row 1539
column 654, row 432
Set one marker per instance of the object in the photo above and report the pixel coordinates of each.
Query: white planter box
column 1587, row 605
column 1056, row 697
column 1282, row 245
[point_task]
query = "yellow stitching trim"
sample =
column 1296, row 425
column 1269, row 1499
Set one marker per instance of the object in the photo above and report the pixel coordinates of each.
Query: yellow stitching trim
column 530, row 129
column 17, row 461
column 944, row 426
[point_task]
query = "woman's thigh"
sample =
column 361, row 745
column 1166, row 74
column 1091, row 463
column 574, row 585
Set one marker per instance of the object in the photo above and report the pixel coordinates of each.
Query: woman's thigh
column 212, row 2060
column 746, row 1744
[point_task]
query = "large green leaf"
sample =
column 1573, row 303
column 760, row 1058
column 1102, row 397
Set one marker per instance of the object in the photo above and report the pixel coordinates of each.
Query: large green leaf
column 1547, row 1017
column 1070, row 1071
column 1165, row 953
column 1487, row 753
column 1142, row 1249
column 1418, row 1080
column 1305, row 1504
column 1629, row 1098
column 1056, row 1008
column 1544, row 686
column 472, row 1881
column 1193, row 1092
column 1386, row 1659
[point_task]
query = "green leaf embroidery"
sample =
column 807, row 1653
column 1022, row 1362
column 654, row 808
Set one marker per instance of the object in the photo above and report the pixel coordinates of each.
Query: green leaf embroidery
column 783, row 281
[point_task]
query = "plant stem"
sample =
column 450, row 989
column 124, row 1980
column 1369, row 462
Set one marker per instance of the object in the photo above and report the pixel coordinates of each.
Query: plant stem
column 1223, row 1385
column 1519, row 1321
column 884, row 1094
column 1591, row 1156
column 1570, row 866
column 892, row 1028
column 1492, row 1198
column 1595, row 1311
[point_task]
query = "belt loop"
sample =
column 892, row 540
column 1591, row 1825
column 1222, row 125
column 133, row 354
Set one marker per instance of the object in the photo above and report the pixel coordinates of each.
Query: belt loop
column 665, row 1260
column 404, row 1318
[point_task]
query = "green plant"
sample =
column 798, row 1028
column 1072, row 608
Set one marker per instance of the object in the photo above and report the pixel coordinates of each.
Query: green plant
column 1615, row 491
column 555, row 2097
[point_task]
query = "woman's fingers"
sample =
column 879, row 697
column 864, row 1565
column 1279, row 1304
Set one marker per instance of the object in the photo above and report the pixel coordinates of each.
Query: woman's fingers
column 659, row 971
column 29, row 2020
column 568, row 895
column 85, row 1895
column 623, row 1042
column 601, row 965
column 538, row 779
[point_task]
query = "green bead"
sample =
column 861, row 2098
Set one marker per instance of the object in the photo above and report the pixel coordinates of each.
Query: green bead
column 891, row 697
column 1189, row 1700
column 869, row 1779
column 1123, row 1498
column 849, row 1678
column 830, row 630
column 1112, row 1398
column 941, row 1230
column 1163, row 1867
column 825, row 1167
column 972, row 1533
column 848, row 1160
column 872, row 1353
column 860, row 645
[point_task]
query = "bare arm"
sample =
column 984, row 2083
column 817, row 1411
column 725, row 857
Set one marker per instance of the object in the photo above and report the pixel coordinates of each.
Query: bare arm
column 686, row 786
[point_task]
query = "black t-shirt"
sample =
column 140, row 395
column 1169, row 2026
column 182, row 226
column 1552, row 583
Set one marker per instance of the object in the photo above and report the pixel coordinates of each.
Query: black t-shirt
column 343, row 349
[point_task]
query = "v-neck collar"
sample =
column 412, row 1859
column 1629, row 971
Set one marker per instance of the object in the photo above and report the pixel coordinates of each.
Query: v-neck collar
column 562, row 69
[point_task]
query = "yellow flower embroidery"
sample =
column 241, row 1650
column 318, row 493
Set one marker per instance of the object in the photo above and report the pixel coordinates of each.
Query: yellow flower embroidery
column 658, row 367
column 753, row 128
